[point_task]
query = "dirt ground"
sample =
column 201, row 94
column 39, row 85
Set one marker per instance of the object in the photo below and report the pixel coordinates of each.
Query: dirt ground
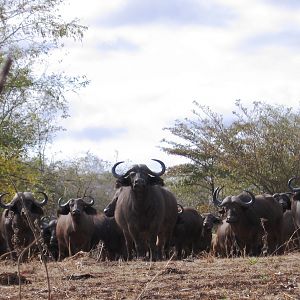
column 82, row 277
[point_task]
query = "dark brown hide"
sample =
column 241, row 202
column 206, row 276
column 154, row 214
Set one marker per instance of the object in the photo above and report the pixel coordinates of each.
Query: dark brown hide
column 187, row 232
column 75, row 227
column 284, row 200
column 48, row 230
column 209, row 221
column 295, row 201
column 244, row 213
column 14, row 225
column 290, row 234
column 145, row 211
column 108, row 231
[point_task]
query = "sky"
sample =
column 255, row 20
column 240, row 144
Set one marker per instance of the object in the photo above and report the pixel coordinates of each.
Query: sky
column 148, row 60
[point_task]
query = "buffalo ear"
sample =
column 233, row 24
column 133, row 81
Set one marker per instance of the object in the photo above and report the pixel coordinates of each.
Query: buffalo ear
column 14, row 208
column 124, row 181
column 155, row 180
column 89, row 210
column 296, row 196
column 217, row 220
column 37, row 210
column 6, row 213
column 63, row 210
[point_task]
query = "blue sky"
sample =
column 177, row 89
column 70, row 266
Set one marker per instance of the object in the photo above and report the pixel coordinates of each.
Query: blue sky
column 148, row 60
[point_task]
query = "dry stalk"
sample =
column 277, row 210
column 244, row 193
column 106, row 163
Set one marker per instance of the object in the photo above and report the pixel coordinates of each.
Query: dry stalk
column 6, row 254
column 154, row 277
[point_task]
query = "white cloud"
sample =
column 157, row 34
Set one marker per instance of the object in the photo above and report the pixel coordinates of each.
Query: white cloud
column 144, row 75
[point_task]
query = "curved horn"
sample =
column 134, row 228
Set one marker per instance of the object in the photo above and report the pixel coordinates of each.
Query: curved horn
column 44, row 201
column 180, row 208
column 91, row 203
column 163, row 168
column 62, row 205
column 215, row 200
column 45, row 219
column 113, row 169
column 250, row 202
column 295, row 190
column 5, row 206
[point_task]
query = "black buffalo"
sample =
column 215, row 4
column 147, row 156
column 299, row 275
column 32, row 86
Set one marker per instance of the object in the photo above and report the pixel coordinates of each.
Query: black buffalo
column 75, row 226
column 145, row 211
column 209, row 221
column 20, row 217
column 295, row 201
column 187, row 232
column 48, row 232
column 295, row 209
column 251, row 218
column 108, row 232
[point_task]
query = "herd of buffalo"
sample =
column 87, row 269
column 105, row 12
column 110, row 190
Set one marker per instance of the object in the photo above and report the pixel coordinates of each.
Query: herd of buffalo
column 144, row 220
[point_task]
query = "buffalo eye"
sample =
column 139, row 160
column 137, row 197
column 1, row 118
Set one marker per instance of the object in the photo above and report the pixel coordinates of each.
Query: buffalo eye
column 132, row 174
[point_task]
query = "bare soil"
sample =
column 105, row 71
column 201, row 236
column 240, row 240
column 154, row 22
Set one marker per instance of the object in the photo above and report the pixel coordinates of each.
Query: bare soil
column 82, row 277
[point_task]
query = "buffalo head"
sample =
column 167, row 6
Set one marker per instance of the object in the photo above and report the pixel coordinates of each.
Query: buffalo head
column 76, row 207
column 139, row 176
column 284, row 200
column 209, row 220
column 23, row 202
column 234, row 205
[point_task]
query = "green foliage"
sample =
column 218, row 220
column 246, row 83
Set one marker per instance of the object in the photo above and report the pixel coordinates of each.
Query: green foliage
column 33, row 99
column 82, row 176
column 257, row 148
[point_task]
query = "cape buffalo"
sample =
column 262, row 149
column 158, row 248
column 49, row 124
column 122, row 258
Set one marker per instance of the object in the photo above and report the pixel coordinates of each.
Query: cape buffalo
column 75, row 226
column 145, row 211
column 224, row 243
column 290, row 239
column 284, row 200
column 48, row 231
column 209, row 221
column 108, row 231
column 245, row 213
column 295, row 205
column 187, row 232
column 16, row 218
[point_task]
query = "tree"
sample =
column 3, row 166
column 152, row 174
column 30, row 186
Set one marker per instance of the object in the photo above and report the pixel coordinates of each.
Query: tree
column 33, row 100
column 78, row 177
column 257, row 149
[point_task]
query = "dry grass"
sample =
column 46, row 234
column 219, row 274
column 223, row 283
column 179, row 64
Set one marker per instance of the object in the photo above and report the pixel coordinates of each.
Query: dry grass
column 82, row 277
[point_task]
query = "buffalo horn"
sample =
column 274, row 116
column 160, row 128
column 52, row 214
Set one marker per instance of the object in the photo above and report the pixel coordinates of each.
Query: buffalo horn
column 44, row 201
column 250, row 202
column 180, row 208
column 62, row 205
column 215, row 200
column 113, row 170
column 163, row 168
column 91, row 203
column 5, row 206
column 295, row 190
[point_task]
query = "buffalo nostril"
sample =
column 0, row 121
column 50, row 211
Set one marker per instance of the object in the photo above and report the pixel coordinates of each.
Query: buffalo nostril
column 139, row 181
